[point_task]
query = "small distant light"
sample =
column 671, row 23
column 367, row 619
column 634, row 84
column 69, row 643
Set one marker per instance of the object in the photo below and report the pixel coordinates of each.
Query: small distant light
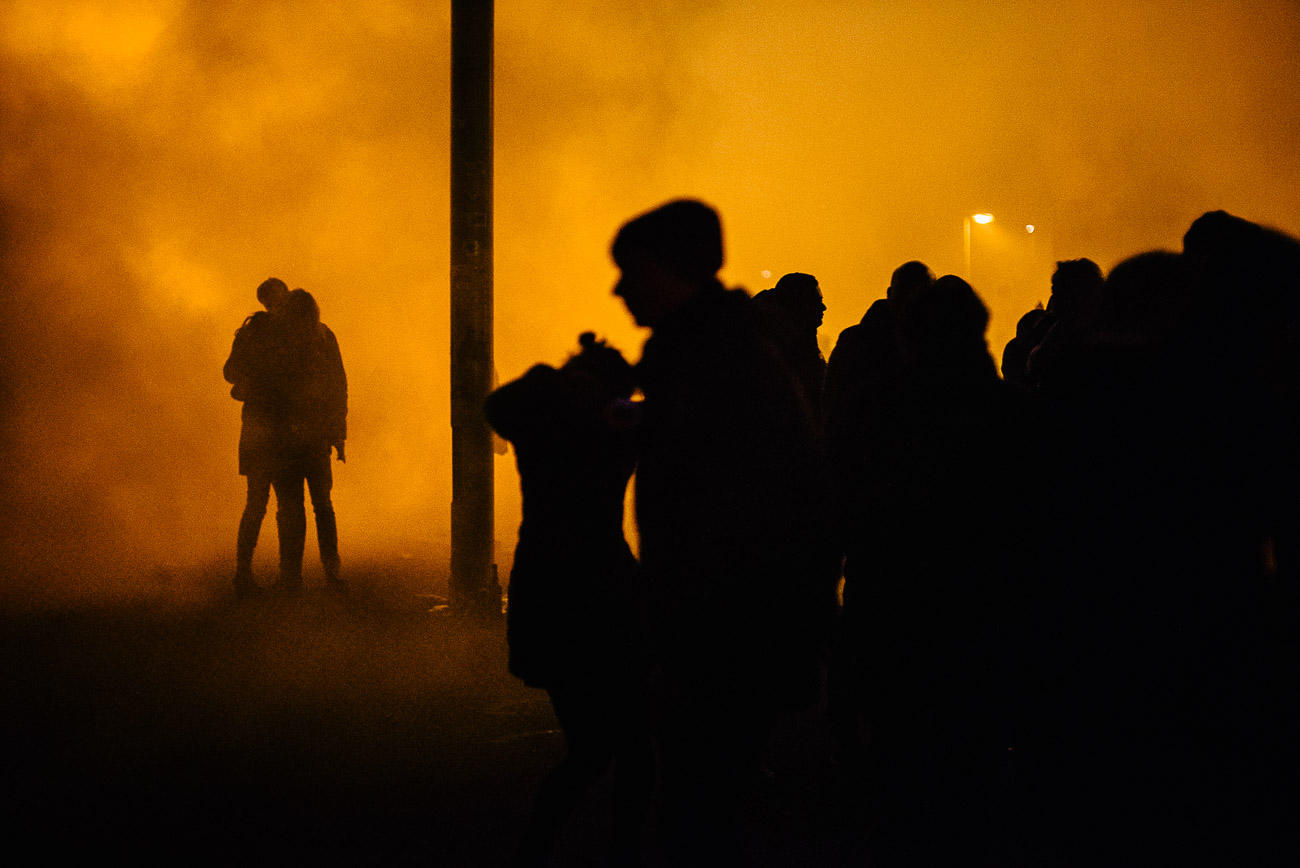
column 1030, row 228
column 983, row 218
column 766, row 274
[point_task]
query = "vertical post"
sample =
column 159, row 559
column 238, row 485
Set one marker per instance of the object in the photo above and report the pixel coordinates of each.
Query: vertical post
column 472, row 531
column 966, row 249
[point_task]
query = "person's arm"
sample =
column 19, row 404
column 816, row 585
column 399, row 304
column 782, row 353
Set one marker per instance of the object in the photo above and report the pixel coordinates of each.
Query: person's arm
column 521, row 406
column 336, row 380
column 234, row 369
column 237, row 368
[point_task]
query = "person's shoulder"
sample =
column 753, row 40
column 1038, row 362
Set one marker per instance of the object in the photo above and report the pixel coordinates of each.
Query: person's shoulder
column 848, row 344
column 255, row 321
column 734, row 312
column 325, row 337
column 510, row 408
column 536, row 378
column 849, row 335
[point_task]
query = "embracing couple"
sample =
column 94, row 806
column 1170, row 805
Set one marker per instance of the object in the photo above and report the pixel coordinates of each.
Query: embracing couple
column 286, row 368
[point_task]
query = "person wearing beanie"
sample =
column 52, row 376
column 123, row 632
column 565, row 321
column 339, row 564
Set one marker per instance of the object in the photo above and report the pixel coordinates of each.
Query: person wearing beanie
column 738, row 563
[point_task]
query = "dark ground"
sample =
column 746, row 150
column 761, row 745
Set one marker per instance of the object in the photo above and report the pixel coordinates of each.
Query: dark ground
column 353, row 730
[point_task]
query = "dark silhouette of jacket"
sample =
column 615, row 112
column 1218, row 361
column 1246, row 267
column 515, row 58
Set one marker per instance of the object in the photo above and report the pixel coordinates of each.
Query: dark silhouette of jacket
column 736, row 548
column 863, row 370
column 250, row 370
column 791, row 325
column 570, row 613
column 314, row 388
column 290, row 376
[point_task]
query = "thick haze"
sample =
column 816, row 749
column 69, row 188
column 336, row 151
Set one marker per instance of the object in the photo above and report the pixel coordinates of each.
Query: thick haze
column 160, row 159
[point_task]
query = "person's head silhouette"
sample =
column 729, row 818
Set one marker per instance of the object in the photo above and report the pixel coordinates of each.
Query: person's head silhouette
column 800, row 296
column 945, row 322
column 906, row 280
column 273, row 293
column 666, row 257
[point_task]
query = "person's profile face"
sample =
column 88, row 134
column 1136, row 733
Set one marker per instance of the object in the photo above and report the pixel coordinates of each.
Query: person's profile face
column 808, row 306
column 650, row 290
column 816, row 304
column 640, row 286
column 632, row 288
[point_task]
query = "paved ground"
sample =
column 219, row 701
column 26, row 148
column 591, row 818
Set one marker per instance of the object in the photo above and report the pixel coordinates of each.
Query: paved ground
column 355, row 730
column 192, row 729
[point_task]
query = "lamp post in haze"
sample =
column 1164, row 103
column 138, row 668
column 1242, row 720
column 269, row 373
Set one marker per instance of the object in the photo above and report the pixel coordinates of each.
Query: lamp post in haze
column 474, row 587
column 982, row 219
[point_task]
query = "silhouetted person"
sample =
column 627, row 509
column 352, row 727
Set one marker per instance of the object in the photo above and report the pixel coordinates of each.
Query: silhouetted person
column 310, row 395
column 1170, row 681
column 1072, row 309
column 730, row 501
column 1076, row 291
column 572, row 622
column 936, row 574
column 868, row 354
column 1246, row 280
column 790, row 313
column 249, row 369
column 1030, row 329
column 863, row 372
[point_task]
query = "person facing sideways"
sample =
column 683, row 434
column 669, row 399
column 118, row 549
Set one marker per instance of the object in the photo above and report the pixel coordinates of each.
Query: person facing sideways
column 868, row 354
column 286, row 368
column 571, row 621
column 738, row 566
column 791, row 313
column 248, row 370
column 863, row 374
column 865, row 367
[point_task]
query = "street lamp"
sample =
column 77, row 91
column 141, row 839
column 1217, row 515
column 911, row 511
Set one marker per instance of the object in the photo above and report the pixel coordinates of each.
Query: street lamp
column 981, row 219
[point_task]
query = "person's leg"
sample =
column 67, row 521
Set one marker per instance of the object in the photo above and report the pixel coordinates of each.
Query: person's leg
column 291, row 520
column 250, row 526
column 320, row 479
column 584, row 717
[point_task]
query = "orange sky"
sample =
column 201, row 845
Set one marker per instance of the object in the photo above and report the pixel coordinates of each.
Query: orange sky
column 160, row 158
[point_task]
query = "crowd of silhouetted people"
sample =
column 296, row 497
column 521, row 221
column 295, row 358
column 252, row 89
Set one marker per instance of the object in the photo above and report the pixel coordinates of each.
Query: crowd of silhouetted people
column 1066, row 634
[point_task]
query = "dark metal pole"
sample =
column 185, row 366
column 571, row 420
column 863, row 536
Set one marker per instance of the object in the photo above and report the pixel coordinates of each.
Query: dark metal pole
column 472, row 533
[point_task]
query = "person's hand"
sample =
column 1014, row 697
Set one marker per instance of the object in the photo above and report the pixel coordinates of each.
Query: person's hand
column 339, row 446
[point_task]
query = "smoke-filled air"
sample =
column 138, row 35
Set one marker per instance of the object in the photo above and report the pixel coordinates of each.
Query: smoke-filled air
column 159, row 159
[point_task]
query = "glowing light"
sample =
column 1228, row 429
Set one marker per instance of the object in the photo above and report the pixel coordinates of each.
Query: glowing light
column 766, row 274
column 983, row 218
column 1030, row 228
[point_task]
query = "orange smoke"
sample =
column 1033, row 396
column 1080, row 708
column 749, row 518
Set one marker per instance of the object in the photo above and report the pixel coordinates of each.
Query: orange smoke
column 162, row 158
